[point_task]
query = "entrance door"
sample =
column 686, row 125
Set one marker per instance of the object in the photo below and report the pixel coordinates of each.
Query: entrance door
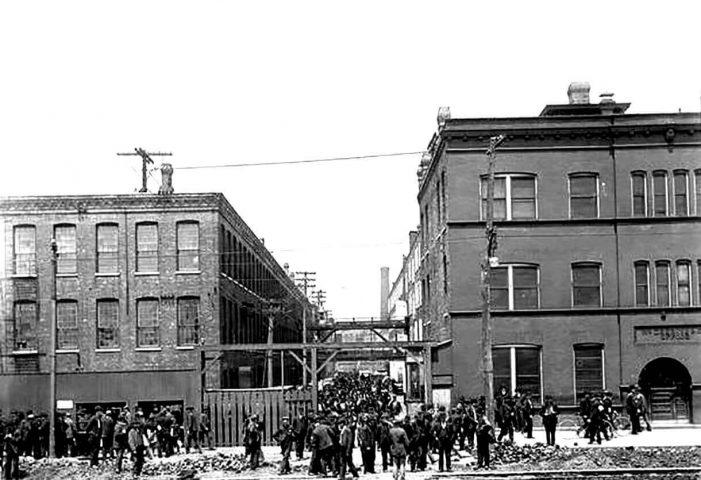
column 666, row 384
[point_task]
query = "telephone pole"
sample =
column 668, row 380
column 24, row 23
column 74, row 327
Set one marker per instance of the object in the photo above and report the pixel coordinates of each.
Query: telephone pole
column 305, row 283
column 145, row 160
column 52, row 353
column 486, row 267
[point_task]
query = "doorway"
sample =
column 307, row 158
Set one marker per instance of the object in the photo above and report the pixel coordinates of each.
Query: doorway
column 666, row 384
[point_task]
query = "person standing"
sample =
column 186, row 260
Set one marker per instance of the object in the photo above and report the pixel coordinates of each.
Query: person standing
column 549, row 413
column 633, row 410
column 253, row 441
column 192, row 429
column 69, row 427
column 507, row 417
column 470, row 423
column 485, row 437
column 384, row 440
column 135, row 438
column 285, row 436
column 300, row 425
column 120, row 441
column 12, row 452
column 346, row 450
column 366, row 442
column 399, row 443
column 94, row 431
column 527, row 414
column 444, row 433
column 107, row 434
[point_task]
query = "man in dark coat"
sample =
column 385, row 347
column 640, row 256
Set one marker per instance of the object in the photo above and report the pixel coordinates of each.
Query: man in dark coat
column 107, row 434
column 322, row 445
column 399, row 444
column 527, row 415
column 507, row 417
column 485, row 436
column 444, row 433
column 192, row 429
column 94, row 431
column 135, row 439
column 285, row 436
column 12, row 452
column 366, row 442
column 469, row 424
column 300, row 425
column 383, row 439
column 346, row 445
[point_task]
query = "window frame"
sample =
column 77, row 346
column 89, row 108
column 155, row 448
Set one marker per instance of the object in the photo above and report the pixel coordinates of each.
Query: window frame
column 643, row 175
column 677, row 284
column 508, row 198
column 101, row 330
column 675, row 194
column 513, row 367
column 106, row 254
column 570, row 176
column 646, row 264
column 154, row 329
column 697, row 192
column 582, row 347
column 668, row 265
column 61, row 331
column 66, row 255
column 146, row 254
column 661, row 174
column 510, row 284
column 600, row 286
column 182, row 253
column 31, row 257
column 180, row 326
column 32, row 344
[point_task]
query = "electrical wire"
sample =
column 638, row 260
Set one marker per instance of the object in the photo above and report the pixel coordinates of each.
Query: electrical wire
column 295, row 162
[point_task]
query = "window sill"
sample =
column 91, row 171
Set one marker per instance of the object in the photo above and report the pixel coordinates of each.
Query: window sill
column 107, row 350
column 104, row 274
column 188, row 272
column 67, row 275
column 148, row 349
column 24, row 275
column 25, row 352
column 185, row 347
column 68, row 350
column 146, row 274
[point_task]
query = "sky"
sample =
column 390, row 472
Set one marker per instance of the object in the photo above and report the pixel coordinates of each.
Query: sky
column 226, row 82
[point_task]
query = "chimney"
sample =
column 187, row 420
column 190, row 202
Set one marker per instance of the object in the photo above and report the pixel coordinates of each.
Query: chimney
column 578, row 93
column 166, row 179
column 412, row 237
column 384, row 293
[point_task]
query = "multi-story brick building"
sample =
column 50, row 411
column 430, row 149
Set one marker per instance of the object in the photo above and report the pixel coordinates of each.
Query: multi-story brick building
column 141, row 281
column 599, row 247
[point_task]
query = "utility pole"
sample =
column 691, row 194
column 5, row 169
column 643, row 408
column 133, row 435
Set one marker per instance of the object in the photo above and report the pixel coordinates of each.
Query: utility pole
column 319, row 297
column 272, row 309
column 52, row 353
column 145, row 160
column 306, row 282
column 491, row 233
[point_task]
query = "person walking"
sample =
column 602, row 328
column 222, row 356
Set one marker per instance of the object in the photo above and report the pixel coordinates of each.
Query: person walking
column 384, row 440
column 285, row 436
column 346, row 450
column 549, row 413
column 399, row 443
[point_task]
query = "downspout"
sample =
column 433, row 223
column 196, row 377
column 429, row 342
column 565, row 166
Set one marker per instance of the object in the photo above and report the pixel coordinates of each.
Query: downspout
column 612, row 150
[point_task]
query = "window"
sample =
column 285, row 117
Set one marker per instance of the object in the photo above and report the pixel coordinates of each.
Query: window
column 188, row 321
column 584, row 195
column 514, row 196
column 147, row 322
column 515, row 287
column 107, row 248
column 66, row 242
column 697, row 183
column 681, row 193
column 188, row 241
column 662, row 283
column 25, row 326
column 67, row 325
column 517, row 368
column 642, row 282
column 659, row 188
column 25, row 250
column 588, row 369
column 439, row 209
column 639, row 189
column 586, row 285
column 683, row 283
column 107, row 324
column 445, row 274
column 147, row 247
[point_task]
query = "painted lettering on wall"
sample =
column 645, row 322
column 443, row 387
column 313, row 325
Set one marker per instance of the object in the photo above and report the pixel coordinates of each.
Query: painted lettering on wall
column 671, row 334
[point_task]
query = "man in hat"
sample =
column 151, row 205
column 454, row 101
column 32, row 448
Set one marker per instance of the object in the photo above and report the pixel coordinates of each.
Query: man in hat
column 399, row 444
column 94, row 431
column 485, row 436
column 285, row 436
column 346, row 450
column 192, row 429
column 300, row 425
column 107, row 434
column 135, row 438
column 384, row 440
column 366, row 442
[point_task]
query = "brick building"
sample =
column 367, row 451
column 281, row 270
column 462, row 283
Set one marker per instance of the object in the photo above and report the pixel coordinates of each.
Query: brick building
column 599, row 248
column 141, row 281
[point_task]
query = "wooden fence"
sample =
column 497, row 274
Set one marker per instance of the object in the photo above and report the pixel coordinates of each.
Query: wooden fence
column 230, row 408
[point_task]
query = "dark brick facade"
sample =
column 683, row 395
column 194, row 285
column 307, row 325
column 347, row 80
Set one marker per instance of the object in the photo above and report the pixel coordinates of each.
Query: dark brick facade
column 208, row 285
column 551, row 149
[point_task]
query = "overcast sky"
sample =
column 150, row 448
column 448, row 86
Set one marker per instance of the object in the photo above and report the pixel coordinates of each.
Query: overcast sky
column 257, row 81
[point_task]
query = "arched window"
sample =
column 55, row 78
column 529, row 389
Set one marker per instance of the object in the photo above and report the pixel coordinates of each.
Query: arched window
column 588, row 368
column 584, row 195
column 638, row 182
column 586, row 284
column 683, row 283
column 681, row 193
column 515, row 287
column 642, row 283
column 659, row 190
column 662, row 283
column 188, row 246
column 66, row 242
column 514, row 196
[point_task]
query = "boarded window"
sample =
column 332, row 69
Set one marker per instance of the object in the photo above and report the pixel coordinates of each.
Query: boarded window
column 188, row 321
column 147, row 247
column 584, row 196
column 588, row 369
column 662, row 283
column 67, row 325
column 586, row 285
column 107, row 324
column 66, row 242
column 147, row 323
column 107, row 248
column 642, row 277
column 188, row 246
column 639, row 194
column 25, row 326
column 25, row 250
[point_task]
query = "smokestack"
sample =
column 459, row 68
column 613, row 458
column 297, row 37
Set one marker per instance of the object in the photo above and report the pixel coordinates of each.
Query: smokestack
column 578, row 93
column 384, row 293
column 166, row 179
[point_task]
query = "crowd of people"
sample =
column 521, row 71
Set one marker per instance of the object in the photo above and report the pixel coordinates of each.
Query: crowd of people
column 107, row 435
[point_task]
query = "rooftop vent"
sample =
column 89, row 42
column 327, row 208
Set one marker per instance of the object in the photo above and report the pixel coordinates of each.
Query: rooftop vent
column 578, row 93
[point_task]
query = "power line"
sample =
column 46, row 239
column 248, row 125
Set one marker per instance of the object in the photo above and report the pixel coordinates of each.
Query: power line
column 293, row 162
